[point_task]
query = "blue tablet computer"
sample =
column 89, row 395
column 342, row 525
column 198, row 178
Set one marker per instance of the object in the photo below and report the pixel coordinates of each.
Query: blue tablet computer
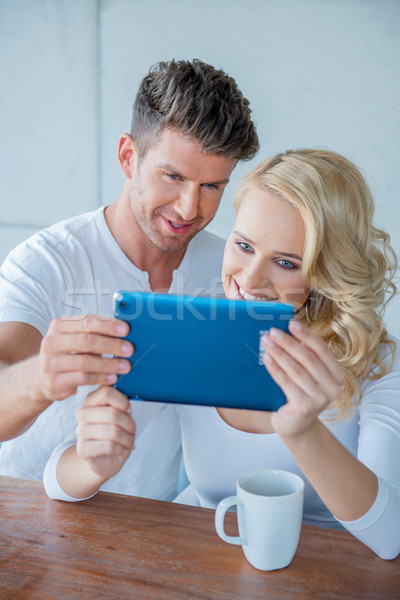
column 200, row 350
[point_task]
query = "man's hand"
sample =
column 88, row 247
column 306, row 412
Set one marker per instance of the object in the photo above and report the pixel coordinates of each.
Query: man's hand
column 71, row 354
column 106, row 431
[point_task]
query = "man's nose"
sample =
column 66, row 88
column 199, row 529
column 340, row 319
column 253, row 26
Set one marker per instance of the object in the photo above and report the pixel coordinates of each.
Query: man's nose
column 188, row 204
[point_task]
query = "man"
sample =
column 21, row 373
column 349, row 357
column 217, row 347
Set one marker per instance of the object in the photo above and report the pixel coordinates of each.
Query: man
column 190, row 126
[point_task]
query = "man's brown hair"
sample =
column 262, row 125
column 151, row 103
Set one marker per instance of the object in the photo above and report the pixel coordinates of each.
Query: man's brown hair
column 200, row 102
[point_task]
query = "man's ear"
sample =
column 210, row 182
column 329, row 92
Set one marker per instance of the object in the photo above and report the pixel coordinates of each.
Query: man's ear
column 127, row 155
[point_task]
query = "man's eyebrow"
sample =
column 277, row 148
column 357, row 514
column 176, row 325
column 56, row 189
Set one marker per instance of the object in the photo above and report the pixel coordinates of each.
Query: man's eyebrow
column 172, row 170
column 289, row 254
column 169, row 168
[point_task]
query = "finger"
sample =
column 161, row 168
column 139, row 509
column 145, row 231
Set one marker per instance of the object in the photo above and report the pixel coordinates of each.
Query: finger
column 85, row 343
column 108, row 396
column 62, row 385
column 97, row 449
column 321, row 388
column 280, row 345
column 105, row 415
column 314, row 362
column 106, row 433
column 86, row 363
column 318, row 347
column 90, row 324
column 290, row 388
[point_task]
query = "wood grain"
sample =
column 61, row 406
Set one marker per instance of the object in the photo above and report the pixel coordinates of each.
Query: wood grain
column 123, row 547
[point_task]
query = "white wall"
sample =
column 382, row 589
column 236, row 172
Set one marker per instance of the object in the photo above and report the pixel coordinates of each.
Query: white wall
column 317, row 73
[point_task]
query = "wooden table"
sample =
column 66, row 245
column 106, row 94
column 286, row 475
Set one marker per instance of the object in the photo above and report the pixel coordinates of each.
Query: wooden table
column 123, row 547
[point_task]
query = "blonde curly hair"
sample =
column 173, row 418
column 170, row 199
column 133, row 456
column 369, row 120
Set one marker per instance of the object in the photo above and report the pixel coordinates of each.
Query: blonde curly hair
column 348, row 263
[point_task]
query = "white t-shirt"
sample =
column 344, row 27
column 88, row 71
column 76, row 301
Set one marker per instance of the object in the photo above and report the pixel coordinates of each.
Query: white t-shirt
column 74, row 268
column 216, row 454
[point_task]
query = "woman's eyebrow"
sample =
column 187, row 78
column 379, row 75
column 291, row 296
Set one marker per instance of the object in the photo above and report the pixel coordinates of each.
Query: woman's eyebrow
column 280, row 252
column 288, row 254
column 240, row 234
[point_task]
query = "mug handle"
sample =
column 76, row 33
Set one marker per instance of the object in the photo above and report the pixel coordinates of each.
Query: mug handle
column 220, row 516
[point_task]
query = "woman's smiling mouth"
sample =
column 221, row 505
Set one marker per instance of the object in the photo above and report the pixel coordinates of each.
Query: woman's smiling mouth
column 245, row 295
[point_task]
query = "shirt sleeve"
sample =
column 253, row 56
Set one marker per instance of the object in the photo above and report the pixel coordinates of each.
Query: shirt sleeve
column 379, row 528
column 50, row 481
column 31, row 275
column 142, row 411
column 379, row 450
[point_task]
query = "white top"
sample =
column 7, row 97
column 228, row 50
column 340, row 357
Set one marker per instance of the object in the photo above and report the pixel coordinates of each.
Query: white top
column 74, row 268
column 216, row 454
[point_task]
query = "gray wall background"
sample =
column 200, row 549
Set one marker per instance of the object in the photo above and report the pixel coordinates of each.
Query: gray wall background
column 317, row 72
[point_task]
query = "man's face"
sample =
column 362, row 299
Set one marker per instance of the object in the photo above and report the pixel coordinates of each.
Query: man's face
column 176, row 189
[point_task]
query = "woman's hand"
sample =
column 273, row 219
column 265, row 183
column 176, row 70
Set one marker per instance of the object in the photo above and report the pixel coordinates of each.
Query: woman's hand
column 308, row 373
column 106, row 431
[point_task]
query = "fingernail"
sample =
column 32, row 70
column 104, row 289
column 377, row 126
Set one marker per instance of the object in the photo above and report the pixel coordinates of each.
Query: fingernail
column 122, row 329
column 267, row 357
column 111, row 378
column 126, row 349
column 276, row 333
column 296, row 325
column 124, row 366
column 267, row 340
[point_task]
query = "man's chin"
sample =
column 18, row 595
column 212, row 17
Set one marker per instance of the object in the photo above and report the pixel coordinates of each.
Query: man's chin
column 172, row 244
column 166, row 241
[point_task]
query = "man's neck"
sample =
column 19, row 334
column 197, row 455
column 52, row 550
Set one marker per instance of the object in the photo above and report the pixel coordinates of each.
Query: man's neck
column 138, row 248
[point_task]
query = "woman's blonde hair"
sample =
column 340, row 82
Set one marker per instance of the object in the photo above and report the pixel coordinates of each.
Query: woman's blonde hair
column 348, row 263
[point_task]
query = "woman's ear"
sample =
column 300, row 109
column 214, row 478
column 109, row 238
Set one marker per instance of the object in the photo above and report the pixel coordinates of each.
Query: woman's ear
column 126, row 155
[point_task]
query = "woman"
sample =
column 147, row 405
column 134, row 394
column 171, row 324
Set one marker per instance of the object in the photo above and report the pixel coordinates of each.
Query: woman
column 303, row 235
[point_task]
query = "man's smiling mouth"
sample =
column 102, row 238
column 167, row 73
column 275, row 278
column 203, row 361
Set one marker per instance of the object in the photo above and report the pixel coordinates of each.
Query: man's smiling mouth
column 177, row 227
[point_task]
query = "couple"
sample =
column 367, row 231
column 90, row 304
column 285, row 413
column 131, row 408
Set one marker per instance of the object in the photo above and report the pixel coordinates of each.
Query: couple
column 303, row 235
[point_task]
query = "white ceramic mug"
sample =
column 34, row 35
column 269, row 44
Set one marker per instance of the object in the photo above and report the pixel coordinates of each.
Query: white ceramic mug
column 269, row 512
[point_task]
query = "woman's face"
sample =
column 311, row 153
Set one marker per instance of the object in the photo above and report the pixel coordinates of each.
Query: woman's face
column 264, row 252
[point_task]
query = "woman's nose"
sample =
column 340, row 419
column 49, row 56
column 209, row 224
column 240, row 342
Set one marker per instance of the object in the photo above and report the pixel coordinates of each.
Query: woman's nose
column 257, row 277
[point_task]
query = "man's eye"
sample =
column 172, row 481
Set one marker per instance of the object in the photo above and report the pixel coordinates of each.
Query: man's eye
column 210, row 186
column 172, row 176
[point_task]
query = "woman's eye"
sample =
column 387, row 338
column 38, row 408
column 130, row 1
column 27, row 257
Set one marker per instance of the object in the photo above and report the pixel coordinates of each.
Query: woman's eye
column 286, row 264
column 244, row 247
